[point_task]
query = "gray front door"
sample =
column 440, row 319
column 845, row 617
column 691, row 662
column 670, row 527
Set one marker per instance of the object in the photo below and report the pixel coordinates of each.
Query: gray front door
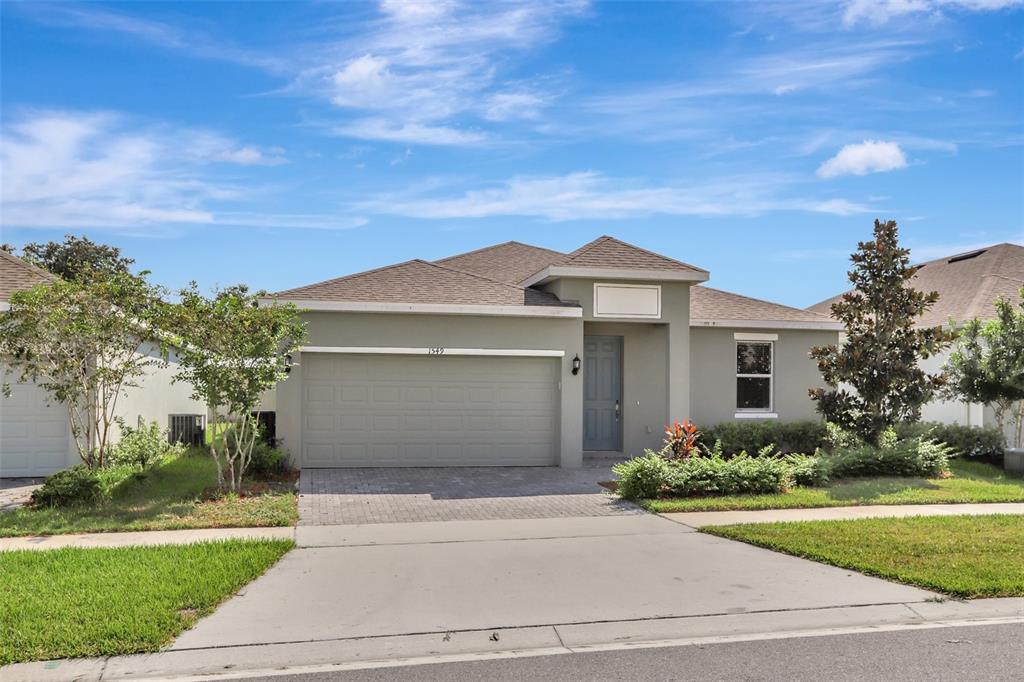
column 602, row 393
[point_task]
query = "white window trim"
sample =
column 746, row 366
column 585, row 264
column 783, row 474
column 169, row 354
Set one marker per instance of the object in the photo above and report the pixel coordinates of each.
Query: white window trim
column 437, row 350
column 634, row 316
column 754, row 413
column 749, row 336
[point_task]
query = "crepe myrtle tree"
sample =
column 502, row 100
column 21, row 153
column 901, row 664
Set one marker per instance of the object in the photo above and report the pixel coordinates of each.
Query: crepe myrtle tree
column 85, row 344
column 879, row 356
column 232, row 350
column 987, row 366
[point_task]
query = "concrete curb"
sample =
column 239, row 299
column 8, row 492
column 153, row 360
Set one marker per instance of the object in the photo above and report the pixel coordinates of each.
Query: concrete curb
column 144, row 538
column 728, row 518
column 264, row 660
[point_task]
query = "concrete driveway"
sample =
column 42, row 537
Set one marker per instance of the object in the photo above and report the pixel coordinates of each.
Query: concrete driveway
column 401, row 495
column 402, row 579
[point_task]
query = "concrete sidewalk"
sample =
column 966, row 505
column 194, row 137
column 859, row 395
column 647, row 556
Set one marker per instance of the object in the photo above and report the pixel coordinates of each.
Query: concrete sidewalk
column 728, row 518
column 145, row 538
column 332, row 655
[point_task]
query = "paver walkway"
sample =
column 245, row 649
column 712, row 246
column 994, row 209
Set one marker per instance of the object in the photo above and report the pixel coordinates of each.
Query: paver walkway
column 400, row 495
column 728, row 518
column 14, row 492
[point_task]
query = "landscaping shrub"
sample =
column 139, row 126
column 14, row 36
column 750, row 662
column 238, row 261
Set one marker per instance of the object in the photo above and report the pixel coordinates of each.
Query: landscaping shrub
column 77, row 485
column 143, row 445
column 965, row 441
column 738, row 475
column 642, row 477
column 807, row 470
column 755, row 435
column 267, row 461
column 652, row 475
column 907, row 457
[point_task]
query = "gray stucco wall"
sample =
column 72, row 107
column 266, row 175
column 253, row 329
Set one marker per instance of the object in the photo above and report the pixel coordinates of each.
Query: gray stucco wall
column 157, row 396
column 713, row 373
column 644, row 382
column 449, row 331
column 673, row 361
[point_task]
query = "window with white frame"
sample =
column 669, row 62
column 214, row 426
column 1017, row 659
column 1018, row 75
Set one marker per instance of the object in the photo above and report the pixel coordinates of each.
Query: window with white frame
column 754, row 376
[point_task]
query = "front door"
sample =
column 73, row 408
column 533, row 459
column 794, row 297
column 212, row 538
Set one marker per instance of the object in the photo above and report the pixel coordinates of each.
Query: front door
column 602, row 393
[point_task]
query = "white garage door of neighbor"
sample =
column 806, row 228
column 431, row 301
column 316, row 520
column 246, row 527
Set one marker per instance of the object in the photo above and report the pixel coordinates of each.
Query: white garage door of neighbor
column 398, row 410
column 34, row 437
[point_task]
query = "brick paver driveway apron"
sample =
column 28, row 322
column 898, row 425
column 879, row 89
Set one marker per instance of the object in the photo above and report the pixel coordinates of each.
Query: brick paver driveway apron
column 398, row 495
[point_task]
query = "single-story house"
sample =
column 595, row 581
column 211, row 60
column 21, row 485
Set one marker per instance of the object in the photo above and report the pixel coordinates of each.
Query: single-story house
column 35, row 436
column 520, row 355
column 968, row 285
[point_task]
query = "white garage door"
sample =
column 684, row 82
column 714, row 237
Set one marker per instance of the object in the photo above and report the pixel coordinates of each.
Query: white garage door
column 394, row 410
column 34, row 436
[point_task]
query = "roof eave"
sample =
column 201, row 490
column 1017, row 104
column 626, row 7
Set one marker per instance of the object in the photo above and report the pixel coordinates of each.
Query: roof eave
column 823, row 325
column 554, row 272
column 430, row 308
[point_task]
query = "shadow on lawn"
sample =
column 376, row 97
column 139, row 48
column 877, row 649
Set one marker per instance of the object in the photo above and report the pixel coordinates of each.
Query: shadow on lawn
column 876, row 488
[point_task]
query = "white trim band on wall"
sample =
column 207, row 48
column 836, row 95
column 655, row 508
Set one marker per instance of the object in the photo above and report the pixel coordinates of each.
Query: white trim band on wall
column 437, row 350
column 430, row 308
column 748, row 336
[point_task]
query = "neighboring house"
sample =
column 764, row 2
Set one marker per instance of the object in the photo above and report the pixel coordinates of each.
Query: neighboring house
column 35, row 436
column 968, row 285
column 518, row 355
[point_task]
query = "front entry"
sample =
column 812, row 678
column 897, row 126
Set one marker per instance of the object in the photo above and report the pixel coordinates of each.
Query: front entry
column 602, row 393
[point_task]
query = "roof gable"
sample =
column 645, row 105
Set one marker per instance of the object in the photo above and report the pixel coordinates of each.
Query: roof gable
column 17, row 275
column 968, row 284
column 608, row 252
column 511, row 262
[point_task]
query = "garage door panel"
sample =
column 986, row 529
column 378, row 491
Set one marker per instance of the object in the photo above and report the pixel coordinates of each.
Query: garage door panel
column 35, row 438
column 432, row 411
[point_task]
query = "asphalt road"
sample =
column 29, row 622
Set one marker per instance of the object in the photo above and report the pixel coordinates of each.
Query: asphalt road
column 991, row 652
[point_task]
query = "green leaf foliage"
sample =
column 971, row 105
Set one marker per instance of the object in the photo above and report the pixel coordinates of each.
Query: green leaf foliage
column 880, row 354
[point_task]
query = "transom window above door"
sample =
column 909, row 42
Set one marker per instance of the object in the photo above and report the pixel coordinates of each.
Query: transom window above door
column 754, row 360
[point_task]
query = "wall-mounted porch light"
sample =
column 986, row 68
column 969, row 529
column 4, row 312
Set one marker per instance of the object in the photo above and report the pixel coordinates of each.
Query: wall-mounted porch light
column 576, row 365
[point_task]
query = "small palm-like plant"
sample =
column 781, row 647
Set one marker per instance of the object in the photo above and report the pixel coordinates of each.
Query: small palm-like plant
column 681, row 440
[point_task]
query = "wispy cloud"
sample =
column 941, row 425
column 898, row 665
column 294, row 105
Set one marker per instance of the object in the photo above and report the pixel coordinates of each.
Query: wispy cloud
column 99, row 169
column 590, row 195
column 420, row 66
column 879, row 12
column 870, row 156
column 191, row 42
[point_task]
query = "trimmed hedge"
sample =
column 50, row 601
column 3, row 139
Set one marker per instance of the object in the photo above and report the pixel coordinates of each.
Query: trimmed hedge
column 809, row 436
column 909, row 457
column 754, row 435
column 654, row 476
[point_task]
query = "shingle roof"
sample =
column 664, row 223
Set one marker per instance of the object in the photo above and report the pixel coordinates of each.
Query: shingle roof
column 511, row 262
column 713, row 304
column 16, row 275
column 968, row 284
column 608, row 252
column 419, row 281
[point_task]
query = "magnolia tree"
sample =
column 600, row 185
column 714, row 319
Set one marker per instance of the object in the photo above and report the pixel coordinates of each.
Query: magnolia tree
column 987, row 367
column 879, row 356
column 85, row 344
column 232, row 350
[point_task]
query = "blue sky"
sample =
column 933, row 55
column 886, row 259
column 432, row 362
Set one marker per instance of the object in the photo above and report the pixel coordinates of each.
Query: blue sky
column 282, row 143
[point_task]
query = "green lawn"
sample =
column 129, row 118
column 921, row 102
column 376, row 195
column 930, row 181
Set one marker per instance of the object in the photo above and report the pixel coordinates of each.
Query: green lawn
column 963, row 556
column 174, row 494
column 971, row 482
column 64, row 603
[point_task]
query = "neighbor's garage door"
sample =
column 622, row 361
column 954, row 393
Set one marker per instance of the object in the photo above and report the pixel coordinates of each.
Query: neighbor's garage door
column 34, row 436
column 400, row 410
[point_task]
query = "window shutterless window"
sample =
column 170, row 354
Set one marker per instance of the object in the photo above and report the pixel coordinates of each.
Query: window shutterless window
column 754, row 360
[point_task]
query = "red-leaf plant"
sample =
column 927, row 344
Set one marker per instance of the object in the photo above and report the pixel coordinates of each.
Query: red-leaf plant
column 681, row 440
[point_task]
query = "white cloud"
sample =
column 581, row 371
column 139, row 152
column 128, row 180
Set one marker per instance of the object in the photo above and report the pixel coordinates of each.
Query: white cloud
column 589, row 195
column 870, row 156
column 421, row 70
column 65, row 169
column 879, row 12
column 409, row 132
